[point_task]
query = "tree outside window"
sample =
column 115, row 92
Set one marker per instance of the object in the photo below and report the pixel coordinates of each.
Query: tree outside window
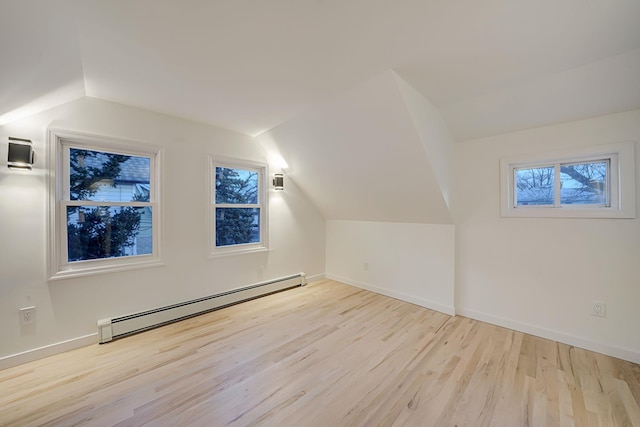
column 108, row 214
column 104, row 213
column 238, row 213
column 580, row 183
column 585, row 182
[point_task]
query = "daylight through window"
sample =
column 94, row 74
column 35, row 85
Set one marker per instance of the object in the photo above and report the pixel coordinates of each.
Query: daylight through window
column 238, row 213
column 109, row 213
column 583, row 183
column 106, row 207
column 593, row 182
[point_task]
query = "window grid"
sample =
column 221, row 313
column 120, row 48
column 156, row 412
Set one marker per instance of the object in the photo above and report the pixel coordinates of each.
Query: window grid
column 557, row 199
column 247, row 231
column 111, row 222
column 588, row 182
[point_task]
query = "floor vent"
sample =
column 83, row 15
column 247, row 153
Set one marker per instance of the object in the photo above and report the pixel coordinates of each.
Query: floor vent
column 118, row 327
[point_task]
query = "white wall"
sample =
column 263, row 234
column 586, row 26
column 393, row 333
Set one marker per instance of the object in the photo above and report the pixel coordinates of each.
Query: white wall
column 533, row 275
column 411, row 262
column 434, row 135
column 68, row 309
column 362, row 154
column 541, row 275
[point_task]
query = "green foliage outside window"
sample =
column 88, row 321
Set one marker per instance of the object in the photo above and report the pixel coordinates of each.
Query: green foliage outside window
column 96, row 232
column 237, row 224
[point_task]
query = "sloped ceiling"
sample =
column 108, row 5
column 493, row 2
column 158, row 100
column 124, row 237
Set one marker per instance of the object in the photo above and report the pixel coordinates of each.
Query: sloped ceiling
column 40, row 59
column 362, row 98
column 364, row 158
column 490, row 66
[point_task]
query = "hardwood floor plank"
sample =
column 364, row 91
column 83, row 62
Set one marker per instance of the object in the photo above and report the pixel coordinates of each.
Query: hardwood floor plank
column 324, row 354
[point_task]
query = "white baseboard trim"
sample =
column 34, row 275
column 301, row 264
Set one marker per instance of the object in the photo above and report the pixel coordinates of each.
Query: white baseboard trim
column 47, row 350
column 315, row 278
column 619, row 352
column 71, row 344
column 450, row 310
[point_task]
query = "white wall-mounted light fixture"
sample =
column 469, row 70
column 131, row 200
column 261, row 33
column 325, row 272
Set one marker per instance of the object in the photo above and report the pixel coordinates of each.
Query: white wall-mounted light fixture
column 21, row 155
column 278, row 181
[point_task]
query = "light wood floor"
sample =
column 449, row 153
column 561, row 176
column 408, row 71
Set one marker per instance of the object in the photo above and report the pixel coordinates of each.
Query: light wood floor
column 324, row 355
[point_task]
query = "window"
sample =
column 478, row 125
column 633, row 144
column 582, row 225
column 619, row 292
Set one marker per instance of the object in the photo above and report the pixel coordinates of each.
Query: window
column 596, row 182
column 237, row 209
column 585, row 183
column 105, row 210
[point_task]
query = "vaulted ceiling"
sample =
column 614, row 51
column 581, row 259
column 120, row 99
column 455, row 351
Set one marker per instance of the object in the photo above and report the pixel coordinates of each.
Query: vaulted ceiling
column 317, row 72
column 247, row 65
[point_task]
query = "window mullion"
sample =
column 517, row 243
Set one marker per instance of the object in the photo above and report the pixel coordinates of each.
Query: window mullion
column 236, row 205
column 105, row 203
column 62, row 232
column 64, row 159
column 589, row 182
column 512, row 191
column 609, row 189
column 111, row 202
column 557, row 187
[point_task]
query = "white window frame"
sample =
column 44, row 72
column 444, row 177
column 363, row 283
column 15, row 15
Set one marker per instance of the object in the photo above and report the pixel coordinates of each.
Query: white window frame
column 263, row 200
column 59, row 143
column 620, row 185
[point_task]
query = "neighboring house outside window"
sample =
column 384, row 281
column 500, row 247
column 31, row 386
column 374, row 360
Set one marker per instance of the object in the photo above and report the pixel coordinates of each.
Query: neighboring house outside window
column 106, row 211
column 129, row 226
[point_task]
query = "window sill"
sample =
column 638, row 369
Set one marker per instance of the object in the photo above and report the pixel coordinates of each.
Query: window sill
column 229, row 252
column 92, row 271
column 567, row 212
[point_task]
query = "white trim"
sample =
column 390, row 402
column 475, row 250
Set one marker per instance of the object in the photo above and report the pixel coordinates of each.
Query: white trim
column 92, row 271
column 315, row 278
column 242, row 249
column 47, row 350
column 450, row 310
column 263, row 205
column 58, row 140
column 619, row 352
column 621, row 182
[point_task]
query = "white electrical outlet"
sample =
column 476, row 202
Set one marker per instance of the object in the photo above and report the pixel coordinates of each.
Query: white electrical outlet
column 365, row 266
column 598, row 308
column 28, row 315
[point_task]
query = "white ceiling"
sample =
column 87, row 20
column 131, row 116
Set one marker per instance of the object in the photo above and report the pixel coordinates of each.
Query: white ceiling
column 490, row 66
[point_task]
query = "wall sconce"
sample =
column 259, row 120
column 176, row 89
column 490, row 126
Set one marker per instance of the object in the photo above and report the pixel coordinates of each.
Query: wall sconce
column 278, row 181
column 21, row 154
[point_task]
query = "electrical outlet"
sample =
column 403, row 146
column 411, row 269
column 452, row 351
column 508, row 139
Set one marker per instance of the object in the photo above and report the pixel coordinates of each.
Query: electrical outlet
column 598, row 308
column 365, row 266
column 28, row 315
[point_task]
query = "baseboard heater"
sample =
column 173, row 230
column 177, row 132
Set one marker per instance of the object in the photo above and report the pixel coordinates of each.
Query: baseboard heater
column 118, row 327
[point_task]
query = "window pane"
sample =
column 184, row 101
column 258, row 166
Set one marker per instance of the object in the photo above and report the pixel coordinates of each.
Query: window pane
column 236, row 186
column 108, row 177
column 534, row 186
column 237, row 226
column 96, row 232
column 584, row 183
